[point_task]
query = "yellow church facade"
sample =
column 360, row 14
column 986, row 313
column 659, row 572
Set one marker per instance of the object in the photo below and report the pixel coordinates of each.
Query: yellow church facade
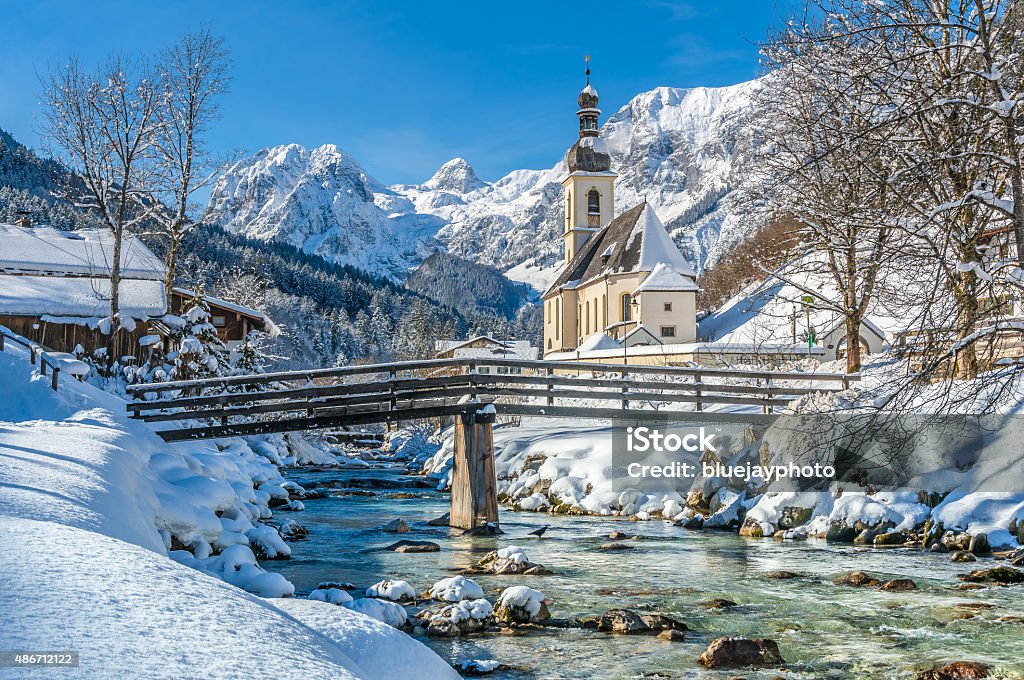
column 624, row 282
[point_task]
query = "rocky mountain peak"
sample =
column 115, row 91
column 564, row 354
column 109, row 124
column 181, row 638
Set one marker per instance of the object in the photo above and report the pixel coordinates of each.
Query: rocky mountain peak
column 456, row 176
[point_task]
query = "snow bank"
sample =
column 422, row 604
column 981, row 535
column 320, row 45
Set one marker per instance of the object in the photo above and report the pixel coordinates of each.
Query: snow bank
column 95, row 518
column 543, row 464
column 133, row 613
column 379, row 649
column 382, row 610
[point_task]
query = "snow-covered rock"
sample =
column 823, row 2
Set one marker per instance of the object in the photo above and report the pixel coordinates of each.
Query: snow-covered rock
column 456, row 588
column 330, row 595
column 392, row 590
column 520, row 604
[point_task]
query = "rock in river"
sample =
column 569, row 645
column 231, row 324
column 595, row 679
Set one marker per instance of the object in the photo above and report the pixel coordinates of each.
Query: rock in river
column 958, row 670
column 857, row 579
column 397, row 526
column 735, row 651
column 899, row 585
column 996, row 575
column 412, row 547
column 629, row 622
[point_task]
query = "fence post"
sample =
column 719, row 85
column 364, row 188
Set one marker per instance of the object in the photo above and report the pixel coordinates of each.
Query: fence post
column 392, row 398
column 471, row 372
column 697, row 382
column 846, row 376
column 768, row 406
column 551, row 386
column 53, row 381
column 1, row 342
column 32, row 354
column 42, row 365
column 625, row 389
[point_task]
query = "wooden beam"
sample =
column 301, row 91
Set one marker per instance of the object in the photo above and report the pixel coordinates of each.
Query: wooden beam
column 474, row 496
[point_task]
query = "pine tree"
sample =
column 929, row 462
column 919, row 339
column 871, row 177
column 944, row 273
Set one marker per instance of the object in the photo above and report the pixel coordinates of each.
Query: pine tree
column 200, row 351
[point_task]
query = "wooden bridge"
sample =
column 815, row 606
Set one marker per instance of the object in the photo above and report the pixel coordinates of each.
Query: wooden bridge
column 474, row 392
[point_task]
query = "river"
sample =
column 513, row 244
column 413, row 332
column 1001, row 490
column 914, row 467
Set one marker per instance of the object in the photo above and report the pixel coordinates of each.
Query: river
column 823, row 630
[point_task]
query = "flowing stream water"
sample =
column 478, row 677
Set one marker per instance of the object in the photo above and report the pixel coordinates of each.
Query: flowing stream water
column 823, row 630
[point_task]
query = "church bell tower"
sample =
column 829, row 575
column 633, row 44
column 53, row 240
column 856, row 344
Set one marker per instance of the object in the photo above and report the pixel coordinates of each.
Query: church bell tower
column 590, row 184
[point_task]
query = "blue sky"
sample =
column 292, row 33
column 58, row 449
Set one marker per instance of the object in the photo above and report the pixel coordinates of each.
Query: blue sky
column 403, row 86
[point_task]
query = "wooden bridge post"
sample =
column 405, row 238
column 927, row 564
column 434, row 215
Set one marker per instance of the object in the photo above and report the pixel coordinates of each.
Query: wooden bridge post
column 474, row 489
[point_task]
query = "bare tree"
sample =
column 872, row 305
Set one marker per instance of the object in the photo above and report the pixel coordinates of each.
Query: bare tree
column 194, row 73
column 826, row 163
column 103, row 125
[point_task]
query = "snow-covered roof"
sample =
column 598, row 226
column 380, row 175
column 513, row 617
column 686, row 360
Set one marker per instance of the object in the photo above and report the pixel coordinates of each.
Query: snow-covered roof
column 448, row 345
column 665, row 278
column 598, row 341
column 79, row 296
column 87, row 252
column 516, row 349
column 589, row 89
column 269, row 326
column 763, row 313
column 511, row 349
column 635, row 241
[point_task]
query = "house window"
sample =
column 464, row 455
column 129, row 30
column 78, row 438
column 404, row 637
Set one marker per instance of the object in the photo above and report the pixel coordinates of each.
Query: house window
column 549, row 344
column 668, row 306
column 668, row 331
column 625, row 307
column 220, row 321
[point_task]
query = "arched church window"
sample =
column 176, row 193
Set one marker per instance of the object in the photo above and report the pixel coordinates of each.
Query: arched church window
column 588, row 317
column 558, row 317
column 627, row 304
column 594, row 202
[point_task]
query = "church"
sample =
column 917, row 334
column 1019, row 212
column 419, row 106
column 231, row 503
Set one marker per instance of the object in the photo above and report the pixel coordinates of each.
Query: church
column 624, row 282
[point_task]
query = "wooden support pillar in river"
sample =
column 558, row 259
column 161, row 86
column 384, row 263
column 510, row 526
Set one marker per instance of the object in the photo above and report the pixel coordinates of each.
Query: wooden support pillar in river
column 474, row 489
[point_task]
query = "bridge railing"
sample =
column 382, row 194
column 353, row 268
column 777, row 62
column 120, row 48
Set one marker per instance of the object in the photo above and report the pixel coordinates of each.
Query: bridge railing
column 559, row 389
column 471, row 365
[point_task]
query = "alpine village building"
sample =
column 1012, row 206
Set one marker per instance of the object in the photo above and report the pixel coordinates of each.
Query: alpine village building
column 624, row 282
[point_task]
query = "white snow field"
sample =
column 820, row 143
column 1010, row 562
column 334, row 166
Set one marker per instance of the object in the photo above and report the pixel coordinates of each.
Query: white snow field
column 89, row 501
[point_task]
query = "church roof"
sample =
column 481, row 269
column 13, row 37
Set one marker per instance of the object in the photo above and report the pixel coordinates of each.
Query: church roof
column 665, row 278
column 635, row 241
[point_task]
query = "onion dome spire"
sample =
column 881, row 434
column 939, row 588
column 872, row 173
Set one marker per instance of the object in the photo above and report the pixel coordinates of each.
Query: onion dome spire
column 588, row 112
column 589, row 153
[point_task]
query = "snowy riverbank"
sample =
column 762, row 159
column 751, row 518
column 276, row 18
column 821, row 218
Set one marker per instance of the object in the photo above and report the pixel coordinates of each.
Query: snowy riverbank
column 138, row 554
column 567, row 467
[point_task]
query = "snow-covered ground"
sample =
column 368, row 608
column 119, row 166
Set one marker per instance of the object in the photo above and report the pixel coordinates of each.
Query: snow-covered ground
column 90, row 504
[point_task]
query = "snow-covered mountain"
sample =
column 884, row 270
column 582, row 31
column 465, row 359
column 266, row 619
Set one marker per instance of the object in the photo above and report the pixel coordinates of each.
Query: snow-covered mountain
column 677, row 148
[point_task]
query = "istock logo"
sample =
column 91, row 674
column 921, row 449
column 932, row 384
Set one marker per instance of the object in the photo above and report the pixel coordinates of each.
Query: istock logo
column 645, row 439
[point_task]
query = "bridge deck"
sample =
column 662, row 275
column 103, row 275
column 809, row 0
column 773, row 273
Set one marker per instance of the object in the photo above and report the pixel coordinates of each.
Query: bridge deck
column 357, row 395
